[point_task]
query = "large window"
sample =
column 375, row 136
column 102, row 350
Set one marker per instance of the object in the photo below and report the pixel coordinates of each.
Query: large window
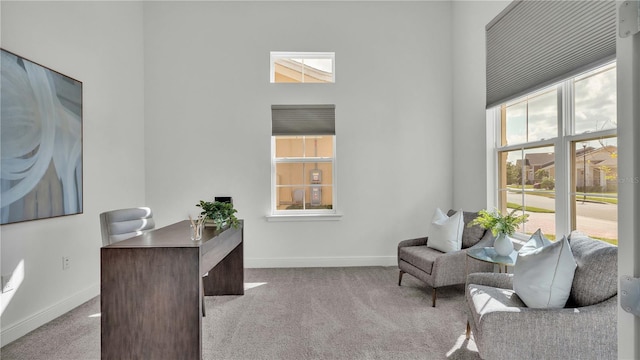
column 557, row 156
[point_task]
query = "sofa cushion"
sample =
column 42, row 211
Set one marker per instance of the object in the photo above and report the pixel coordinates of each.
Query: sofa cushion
column 471, row 235
column 484, row 300
column 445, row 233
column 542, row 276
column 421, row 257
column 595, row 279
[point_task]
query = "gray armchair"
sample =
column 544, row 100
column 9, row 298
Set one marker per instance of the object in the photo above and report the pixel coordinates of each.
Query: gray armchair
column 438, row 269
column 505, row 328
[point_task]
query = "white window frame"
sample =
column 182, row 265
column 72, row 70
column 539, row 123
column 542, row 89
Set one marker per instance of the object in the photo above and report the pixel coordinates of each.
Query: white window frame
column 562, row 149
column 275, row 55
column 303, row 214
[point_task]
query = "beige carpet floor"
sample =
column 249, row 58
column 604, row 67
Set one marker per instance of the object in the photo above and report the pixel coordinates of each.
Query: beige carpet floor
column 295, row 313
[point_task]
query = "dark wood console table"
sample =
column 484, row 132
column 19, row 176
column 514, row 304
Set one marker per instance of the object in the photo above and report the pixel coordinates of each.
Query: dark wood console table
column 151, row 290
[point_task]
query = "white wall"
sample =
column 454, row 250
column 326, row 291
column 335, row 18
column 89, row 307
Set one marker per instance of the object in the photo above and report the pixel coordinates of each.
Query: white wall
column 208, row 120
column 469, row 101
column 99, row 44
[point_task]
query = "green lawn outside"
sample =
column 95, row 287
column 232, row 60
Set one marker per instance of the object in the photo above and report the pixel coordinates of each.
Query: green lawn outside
column 579, row 197
column 529, row 208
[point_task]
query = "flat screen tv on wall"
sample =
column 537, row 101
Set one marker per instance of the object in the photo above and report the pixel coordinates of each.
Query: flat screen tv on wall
column 41, row 141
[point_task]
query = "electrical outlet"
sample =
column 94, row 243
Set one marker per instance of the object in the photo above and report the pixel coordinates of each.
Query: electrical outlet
column 66, row 262
column 7, row 284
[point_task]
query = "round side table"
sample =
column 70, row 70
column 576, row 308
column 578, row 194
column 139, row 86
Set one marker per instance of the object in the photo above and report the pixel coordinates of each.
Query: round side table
column 488, row 254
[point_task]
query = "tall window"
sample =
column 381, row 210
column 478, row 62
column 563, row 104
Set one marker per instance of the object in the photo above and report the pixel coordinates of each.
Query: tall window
column 557, row 156
column 303, row 159
column 594, row 155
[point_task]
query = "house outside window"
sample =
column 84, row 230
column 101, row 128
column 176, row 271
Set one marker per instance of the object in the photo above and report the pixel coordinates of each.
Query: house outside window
column 557, row 156
column 303, row 160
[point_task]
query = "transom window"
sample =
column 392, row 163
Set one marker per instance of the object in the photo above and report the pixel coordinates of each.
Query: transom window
column 557, row 156
column 302, row 67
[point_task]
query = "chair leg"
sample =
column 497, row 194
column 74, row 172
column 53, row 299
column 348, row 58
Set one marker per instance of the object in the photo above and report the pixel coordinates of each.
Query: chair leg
column 434, row 298
column 400, row 277
column 468, row 330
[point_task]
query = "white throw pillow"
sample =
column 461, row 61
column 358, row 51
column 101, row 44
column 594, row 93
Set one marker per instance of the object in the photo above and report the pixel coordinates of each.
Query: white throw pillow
column 446, row 232
column 542, row 276
column 536, row 241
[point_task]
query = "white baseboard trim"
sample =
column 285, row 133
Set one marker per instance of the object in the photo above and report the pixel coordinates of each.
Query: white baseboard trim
column 23, row 327
column 341, row 261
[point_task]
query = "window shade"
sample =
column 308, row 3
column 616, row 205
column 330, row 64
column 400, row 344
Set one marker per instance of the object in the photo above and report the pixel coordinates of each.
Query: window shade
column 532, row 44
column 303, row 120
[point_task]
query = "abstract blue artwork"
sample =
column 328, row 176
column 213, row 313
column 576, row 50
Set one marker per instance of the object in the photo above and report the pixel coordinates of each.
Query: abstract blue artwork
column 41, row 142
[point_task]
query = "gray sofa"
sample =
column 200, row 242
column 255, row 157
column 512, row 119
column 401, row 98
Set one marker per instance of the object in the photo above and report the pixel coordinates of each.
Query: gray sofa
column 504, row 328
column 438, row 269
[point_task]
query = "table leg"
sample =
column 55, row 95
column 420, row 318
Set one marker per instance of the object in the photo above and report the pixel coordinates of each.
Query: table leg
column 150, row 302
column 227, row 278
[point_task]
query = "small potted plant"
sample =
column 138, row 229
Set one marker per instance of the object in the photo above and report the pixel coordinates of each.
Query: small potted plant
column 220, row 213
column 501, row 226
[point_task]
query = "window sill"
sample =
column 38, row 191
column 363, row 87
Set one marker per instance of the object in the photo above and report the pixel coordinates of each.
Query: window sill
column 304, row 217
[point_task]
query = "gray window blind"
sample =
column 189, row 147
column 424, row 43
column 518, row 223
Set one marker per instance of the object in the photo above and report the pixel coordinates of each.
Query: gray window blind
column 533, row 44
column 303, row 120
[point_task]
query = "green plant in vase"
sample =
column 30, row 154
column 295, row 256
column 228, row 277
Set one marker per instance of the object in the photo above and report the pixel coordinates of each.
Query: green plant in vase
column 501, row 226
column 220, row 213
